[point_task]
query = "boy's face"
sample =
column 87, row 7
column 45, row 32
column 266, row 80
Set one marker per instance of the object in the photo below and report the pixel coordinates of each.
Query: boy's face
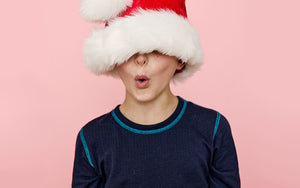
column 147, row 76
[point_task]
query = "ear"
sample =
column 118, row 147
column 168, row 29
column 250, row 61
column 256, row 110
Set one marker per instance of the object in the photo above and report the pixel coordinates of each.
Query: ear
column 180, row 65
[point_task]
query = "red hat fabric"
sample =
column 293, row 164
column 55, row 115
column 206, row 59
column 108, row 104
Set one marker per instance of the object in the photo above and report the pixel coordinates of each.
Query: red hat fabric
column 177, row 6
column 139, row 26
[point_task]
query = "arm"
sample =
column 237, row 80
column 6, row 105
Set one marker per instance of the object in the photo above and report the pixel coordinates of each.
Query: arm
column 84, row 172
column 224, row 171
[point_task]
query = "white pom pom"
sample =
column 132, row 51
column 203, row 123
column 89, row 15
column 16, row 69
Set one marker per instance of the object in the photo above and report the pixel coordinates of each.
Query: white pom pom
column 102, row 10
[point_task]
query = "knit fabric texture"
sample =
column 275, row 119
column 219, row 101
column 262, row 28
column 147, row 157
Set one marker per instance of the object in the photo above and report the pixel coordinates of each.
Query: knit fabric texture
column 194, row 147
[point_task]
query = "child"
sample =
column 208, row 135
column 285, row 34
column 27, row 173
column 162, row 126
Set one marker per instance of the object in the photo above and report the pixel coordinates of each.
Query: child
column 154, row 138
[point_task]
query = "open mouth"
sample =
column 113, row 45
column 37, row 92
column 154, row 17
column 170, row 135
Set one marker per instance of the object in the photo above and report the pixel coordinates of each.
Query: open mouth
column 141, row 78
column 142, row 81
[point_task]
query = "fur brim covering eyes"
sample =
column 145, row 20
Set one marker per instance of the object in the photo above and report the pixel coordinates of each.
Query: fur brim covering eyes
column 144, row 32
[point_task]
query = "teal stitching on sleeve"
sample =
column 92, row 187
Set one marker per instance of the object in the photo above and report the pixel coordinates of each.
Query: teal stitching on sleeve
column 86, row 148
column 216, row 125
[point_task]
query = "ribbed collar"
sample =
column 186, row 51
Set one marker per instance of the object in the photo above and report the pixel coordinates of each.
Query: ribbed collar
column 150, row 129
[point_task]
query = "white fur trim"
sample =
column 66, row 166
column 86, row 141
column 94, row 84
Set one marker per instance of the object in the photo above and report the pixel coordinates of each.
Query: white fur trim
column 102, row 10
column 146, row 31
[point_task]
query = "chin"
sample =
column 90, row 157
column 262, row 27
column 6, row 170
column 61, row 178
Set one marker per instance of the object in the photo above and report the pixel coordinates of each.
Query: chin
column 144, row 97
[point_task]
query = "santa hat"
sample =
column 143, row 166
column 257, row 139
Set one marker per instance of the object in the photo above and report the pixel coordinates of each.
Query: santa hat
column 139, row 26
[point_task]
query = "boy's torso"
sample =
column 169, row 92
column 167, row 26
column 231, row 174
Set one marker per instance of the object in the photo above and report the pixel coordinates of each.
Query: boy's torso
column 174, row 157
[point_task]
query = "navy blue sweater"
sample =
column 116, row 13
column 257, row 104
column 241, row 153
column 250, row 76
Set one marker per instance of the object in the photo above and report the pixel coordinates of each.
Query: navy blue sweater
column 192, row 148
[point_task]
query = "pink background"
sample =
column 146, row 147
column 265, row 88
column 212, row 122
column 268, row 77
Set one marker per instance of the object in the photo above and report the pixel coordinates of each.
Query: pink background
column 251, row 75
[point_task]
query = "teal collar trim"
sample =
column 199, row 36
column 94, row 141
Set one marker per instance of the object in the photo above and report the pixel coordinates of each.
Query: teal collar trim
column 155, row 130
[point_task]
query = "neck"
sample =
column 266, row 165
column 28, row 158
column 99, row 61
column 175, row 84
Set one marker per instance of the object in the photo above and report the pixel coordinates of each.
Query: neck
column 150, row 112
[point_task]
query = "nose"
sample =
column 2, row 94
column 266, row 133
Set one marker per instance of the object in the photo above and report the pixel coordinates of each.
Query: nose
column 141, row 59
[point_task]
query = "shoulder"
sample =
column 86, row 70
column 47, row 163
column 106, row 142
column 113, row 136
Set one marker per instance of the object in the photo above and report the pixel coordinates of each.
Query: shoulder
column 205, row 114
column 97, row 126
column 98, row 121
column 207, row 118
column 197, row 109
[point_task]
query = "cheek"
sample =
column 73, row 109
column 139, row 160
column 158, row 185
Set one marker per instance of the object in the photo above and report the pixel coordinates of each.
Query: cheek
column 167, row 70
column 123, row 70
column 123, row 76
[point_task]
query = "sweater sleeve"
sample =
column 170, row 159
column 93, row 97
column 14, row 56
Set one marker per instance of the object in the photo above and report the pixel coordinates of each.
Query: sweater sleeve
column 224, row 171
column 84, row 172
